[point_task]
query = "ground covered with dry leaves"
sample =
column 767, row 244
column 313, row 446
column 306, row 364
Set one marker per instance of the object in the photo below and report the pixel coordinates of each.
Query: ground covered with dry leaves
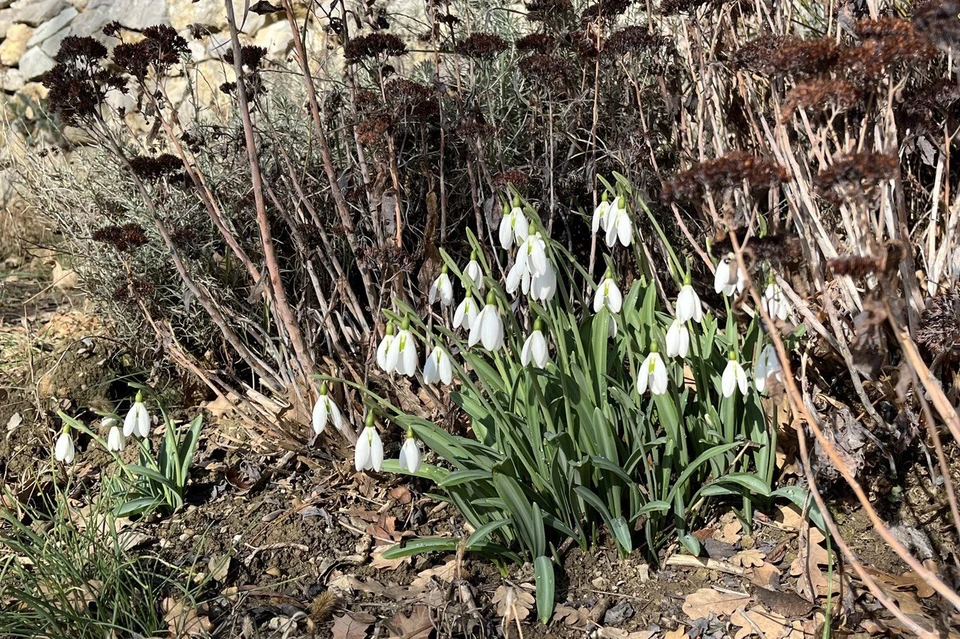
column 289, row 543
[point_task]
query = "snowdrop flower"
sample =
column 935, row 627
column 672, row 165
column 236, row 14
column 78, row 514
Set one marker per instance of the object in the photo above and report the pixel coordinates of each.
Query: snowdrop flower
column 543, row 287
column 115, row 439
column 728, row 277
column 473, row 272
column 733, row 377
column 488, row 327
column 688, row 303
column 607, row 295
column 63, row 450
column 137, row 421
column 326, row 410
column 678, row 339
column 619, row 224
column 533, row 254
column 514, row 225
column 410, row 454
column 368, row 454
column 466, row 313
column 384, row 348
column 776, row 304
column 600, row 214
column 768, row 364
column 442, row 288
column 402, row 354
column 437, row 368
column 535, row 348
column 653, row 374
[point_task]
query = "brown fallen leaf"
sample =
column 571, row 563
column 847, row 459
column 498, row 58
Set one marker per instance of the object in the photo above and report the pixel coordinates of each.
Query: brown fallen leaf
column 679, row 633
column 513, row 603
column 902, row 582
column 351, row 625
column 761, row 622
column 748, row 558
column 707, row 601
column 183, row 620
column 417, row 625
column 788, row 604
column 401, row 494
column 619, row 633
column 570, row 616
column 446, row 572
column 766, row 575
column 729, row 530
column 379, row 563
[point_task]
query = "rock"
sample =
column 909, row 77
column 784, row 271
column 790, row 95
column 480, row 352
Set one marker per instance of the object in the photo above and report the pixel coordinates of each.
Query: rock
column 276, row 38
column 34, row 91
column 11, row 80
column 35, row 63
column 36, row 12
column 133, row 14
column 51, row 45
column 212, row 14
column 50, row 27
column 91, row 23
column 79, row 5
column 6, row 21
column 15, row 44
column 5, row 3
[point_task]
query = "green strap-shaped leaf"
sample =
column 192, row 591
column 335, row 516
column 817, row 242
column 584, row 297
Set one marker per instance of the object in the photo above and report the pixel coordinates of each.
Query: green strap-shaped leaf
column 546, row 586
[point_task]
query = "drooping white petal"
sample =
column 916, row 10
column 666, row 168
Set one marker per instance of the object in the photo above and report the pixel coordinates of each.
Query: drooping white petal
column 392, row 362
column 688, row 305
column 625, row 229
column 491, row 328
column 361, row 454
column 543, row 287
column 474, row 274
column 506, row 233
column 321, row 413
column 383, row 361
column 614, row 299
column 734, row 377
column 442, row 288
column 521, row 227
column 658, row 375
column 403, row 354
column 611, row 234
column 410, row 455
column 115, row 440
column 535, row 350
column 515, row 276
column 678, row 339
column 445, row 366
column 63, row 450
column 376, row 450
column 466, row 313
column 599, row 214
column 143, row 422
column 721, row 279
column 767, row 366
column 130, row 421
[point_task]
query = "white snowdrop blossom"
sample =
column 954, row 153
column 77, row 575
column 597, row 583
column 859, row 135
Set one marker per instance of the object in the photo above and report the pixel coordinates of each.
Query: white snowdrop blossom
column 653, row 374
column 410, row 454
column 368, row 454
column 543, row 287
column 535, row 348
column 688, row 303
column 776, row 303
column 115, row 439
column 488, row 327
column 678, row 339
column 600, row 214
column 384, row 348
column 63, row 450
column 531, row 264
column 608, row 294
column 442, row 288
column 734, row 377
column 437, row 368
column 514, row 226
column 402, row 354
column 137, row 421
column 473, row 272
column 728, row 278
column 466, row 313
column 619, row 225
column 326, row 410
column 767, row 366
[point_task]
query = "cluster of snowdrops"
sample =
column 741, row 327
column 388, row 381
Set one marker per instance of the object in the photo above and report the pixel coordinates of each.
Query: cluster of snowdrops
column 533, row 274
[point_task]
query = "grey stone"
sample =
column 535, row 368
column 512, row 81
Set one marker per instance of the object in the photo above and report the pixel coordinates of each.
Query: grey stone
column 36, row 12
column 35, row 63
column 51, row 45
column 6, row 21
column 133, row 14
column 5, row 3
column 11, row 80
column 91, row 23
column 50, row 27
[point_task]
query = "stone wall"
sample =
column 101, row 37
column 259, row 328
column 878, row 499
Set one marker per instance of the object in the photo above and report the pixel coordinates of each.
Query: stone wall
column 31, row 32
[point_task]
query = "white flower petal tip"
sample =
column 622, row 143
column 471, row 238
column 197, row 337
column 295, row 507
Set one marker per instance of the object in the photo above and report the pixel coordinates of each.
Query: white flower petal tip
column 767, row 368
column 653, row 375
column 678, row 339
column 734, row 378
column 487, row 329
column 607, row 295
column 63, row 450
column 410, row 455
column 438, row 368
column 368, row 454
column 535, row 350
column 137, row 421
column 442, row 289
column 688, row 305
column 402, row 355
column 115, row 439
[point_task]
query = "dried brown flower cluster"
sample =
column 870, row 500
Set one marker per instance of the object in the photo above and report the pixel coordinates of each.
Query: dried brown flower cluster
column 732, row 170
column 821, row 94
column 583, row 42
column 541, row 42
column 78, row 83
column 885, row 264
column 676, row 7
column 161, row 48
column 604, row 9
column 633, row 39
column 939, row 327
column 787, row 55
column 779, row 249
column 885, row 43
column 370, row 129
column 250, row 56
column 513, row 176
column 938, row 22
column 373, row 45
column 855, row 175
column 546, row 10
column 481, row 45
column 548, row 72
column 125, row 238
column 925, row 108
column 154, row 168
column 132, row 291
